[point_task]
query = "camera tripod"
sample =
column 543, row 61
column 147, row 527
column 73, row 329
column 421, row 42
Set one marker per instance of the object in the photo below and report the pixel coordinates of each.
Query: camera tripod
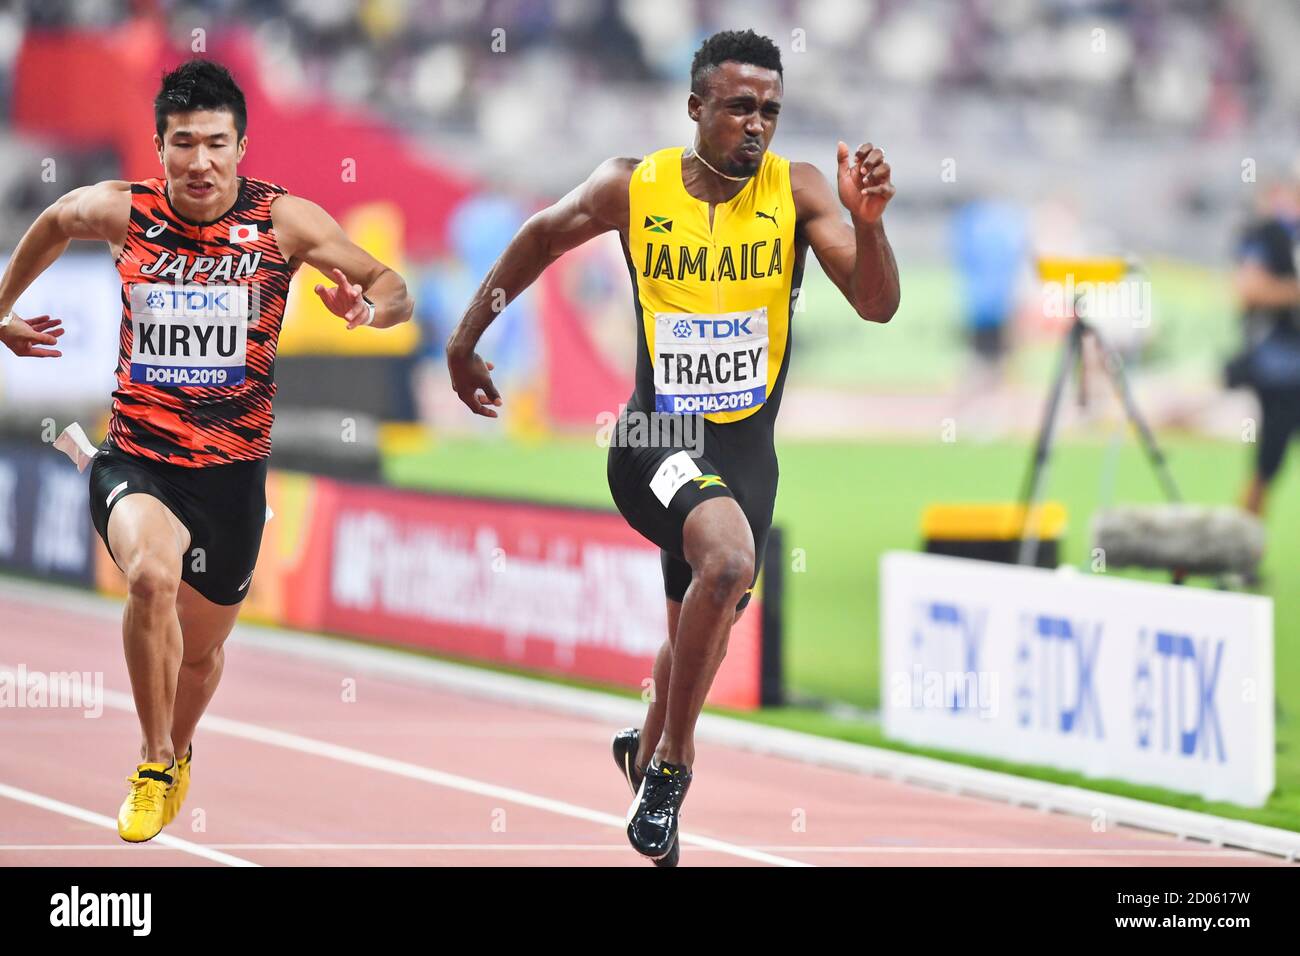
column 1071, row 359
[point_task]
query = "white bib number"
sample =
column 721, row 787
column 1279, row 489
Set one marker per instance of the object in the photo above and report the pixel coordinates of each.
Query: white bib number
column 710, row 363
column 675, row 471
column 185, row 335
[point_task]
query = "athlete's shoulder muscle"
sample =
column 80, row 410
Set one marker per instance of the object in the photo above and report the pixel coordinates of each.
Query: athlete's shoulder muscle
column 296, row 213
column 301, row 225
column 813, row 198
column 605, row 193
column 101, row 211
column 597, row 205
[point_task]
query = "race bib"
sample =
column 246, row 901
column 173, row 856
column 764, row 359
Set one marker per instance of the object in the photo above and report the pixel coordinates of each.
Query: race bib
column 189, row 334
column 710, row 363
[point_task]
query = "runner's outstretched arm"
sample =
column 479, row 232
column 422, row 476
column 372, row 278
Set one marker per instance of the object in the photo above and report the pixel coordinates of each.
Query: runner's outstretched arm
column 596, row 206
column 93, row 212
column 857, row 257
column 308, row 233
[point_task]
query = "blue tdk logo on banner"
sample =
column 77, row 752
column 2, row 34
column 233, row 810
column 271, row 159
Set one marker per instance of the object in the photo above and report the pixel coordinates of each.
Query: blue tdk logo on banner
column 1055, row 664
column 1174, row 688
column 946, row 642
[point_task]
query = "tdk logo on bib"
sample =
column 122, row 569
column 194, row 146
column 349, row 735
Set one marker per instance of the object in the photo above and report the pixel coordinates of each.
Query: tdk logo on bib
column 710, row 363
column 189, row 335
column 190, row 300
column 704, row 328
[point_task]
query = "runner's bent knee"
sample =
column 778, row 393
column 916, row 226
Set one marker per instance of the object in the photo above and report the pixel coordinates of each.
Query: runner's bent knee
column 153, row 578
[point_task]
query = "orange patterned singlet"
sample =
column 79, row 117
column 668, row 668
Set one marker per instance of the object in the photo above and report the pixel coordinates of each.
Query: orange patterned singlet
column 202, row 306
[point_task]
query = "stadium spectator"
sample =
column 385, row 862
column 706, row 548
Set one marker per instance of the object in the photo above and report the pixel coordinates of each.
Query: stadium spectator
column 1269, row 292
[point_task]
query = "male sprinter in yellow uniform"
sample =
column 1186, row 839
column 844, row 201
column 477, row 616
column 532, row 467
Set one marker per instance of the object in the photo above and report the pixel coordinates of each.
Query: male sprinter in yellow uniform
column 205, row 257
column 715, row 238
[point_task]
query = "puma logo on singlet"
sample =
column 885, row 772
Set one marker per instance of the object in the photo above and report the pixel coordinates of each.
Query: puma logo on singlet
column 763, row 215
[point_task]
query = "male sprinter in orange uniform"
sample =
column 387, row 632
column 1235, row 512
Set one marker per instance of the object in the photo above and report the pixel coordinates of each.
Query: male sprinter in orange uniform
column 177, row 490
column 715, row 238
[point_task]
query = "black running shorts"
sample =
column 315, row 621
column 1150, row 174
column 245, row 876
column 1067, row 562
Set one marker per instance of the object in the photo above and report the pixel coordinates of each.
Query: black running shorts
column 223, row 506
column 736, row 460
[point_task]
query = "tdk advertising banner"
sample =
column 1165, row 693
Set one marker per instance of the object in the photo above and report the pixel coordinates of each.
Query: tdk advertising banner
column 1149, row 683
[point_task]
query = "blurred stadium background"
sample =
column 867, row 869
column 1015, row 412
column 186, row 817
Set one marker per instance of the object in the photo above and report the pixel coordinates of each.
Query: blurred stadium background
column 1147, row 129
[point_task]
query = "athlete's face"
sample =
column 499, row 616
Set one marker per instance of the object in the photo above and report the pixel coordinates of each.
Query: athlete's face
column 737, row 116
column 200, row 152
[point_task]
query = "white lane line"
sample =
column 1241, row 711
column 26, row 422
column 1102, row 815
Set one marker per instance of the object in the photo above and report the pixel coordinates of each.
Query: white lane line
column 401, row 768
column 880, row 762
column 99, row 820
column 360, row 758
column 622, row 848
column 117, row 700
column 1011, row 851
column 468, row 847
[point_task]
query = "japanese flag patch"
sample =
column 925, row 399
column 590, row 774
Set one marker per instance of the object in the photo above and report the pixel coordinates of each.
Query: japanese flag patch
column 242, row 233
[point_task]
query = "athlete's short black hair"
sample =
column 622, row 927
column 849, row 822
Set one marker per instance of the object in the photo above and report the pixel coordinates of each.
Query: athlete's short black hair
column 199, row 85
column 739, row 46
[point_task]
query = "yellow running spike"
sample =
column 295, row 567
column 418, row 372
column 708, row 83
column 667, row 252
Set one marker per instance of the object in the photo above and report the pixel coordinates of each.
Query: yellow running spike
column 179, row 788
column 140, row 817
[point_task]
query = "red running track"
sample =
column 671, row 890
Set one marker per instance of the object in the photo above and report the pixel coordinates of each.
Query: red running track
column 289, row 771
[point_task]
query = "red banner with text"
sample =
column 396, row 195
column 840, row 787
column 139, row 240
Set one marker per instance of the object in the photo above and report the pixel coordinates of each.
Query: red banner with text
column 563, row 590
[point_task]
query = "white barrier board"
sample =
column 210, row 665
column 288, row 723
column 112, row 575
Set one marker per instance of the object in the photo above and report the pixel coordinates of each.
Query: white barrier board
column 1148, row 683
column 84, row 290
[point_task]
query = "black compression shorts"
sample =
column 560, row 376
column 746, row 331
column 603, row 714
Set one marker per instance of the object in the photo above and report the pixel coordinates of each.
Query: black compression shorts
column 737, row 460
column 222, row 506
